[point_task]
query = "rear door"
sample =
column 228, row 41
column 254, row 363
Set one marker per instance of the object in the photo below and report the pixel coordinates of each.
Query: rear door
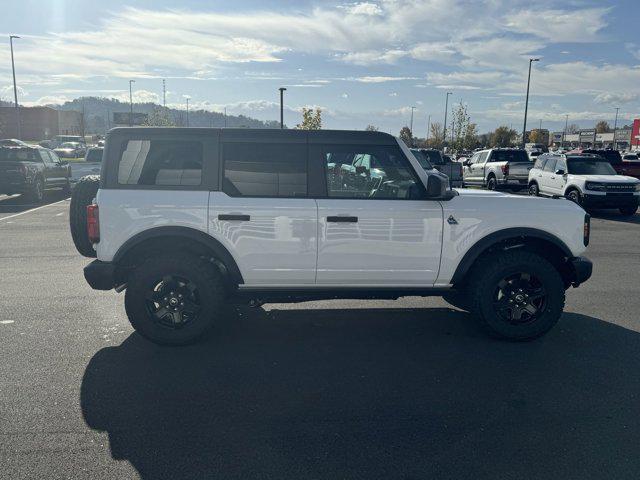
column 477, row 169
column 263, row 214
column 548, row 176
column 557, row 177
column 375, row 228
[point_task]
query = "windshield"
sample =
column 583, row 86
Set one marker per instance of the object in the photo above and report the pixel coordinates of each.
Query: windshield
column 422, row 159
column 589, row 166
column 15, row 155
column 94, row 155
column 510, row 156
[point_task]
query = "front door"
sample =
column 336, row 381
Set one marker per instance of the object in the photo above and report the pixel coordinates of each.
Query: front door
column 374, row 226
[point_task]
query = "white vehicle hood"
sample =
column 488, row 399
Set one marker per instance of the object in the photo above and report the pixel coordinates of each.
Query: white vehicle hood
column 473, row 192
column 605, row 178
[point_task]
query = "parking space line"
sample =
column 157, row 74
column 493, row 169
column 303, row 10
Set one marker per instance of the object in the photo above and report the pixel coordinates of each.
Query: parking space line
column 32, row 210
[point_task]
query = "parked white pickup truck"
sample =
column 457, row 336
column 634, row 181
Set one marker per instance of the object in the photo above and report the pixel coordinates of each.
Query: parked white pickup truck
column 186, row 220
column 498, row 168
column 91, row 165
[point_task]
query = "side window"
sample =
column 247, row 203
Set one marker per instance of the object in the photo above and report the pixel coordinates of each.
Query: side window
column 483, row 156
column 161, row 162
column 265, row 169
column 54, row 158
column 550, row 166
column 384, row 173
column 474, row 158
column 45, row 157
column 561, row 165
column 540, row 163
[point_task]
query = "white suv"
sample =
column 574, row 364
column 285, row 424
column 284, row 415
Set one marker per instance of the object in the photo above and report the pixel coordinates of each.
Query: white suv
column 586, row 179
column 186, row 220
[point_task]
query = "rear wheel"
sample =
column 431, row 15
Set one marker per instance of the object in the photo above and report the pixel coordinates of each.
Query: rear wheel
column 492, row 184
column 629, row 210
column 83, row 194
column 516, row 295
column 174, row 300
column 534, row 190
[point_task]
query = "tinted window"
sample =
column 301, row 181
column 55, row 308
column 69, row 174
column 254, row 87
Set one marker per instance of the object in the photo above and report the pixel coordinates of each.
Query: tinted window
column 561, row 165
column 18, row 155
column 423, row 159
column 265, row 169
column 540, row 163
column 550, row 166
column 509, row 156
column 94, row 155
column 370, row 172
column 161, row 162
column 53, row 157
column 590, row 166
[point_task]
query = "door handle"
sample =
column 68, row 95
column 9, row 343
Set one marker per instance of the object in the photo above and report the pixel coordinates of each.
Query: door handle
column 234, row 218
column 342, row 219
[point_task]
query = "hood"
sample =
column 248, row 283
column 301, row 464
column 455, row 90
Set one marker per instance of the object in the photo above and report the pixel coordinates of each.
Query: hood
column 607, row 178
column 473, row 192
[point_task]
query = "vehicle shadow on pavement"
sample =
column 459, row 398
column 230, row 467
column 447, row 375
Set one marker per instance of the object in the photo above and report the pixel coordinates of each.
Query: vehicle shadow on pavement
column 21, row 203
column 373, row 393
column 615, row 216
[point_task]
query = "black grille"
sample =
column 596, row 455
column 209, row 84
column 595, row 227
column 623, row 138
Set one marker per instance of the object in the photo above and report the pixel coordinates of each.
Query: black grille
column 620, row 187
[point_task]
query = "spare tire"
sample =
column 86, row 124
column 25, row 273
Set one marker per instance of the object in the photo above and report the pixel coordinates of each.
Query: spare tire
column 83, row 195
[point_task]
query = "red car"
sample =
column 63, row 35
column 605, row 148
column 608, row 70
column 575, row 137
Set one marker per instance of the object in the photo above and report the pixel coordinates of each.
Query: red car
column 631, row 168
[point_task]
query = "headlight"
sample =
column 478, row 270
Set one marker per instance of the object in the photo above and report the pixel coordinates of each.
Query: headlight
column 598, row 187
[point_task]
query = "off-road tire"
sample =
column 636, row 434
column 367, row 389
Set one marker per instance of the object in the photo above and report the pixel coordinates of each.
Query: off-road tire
column 83, row 194
column 210, row 290
column 484, row 282
column 574, row 196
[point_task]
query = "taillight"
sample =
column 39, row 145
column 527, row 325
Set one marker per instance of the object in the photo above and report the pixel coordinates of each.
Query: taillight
column 505, row 169
column 587, row 229
column 93, row 223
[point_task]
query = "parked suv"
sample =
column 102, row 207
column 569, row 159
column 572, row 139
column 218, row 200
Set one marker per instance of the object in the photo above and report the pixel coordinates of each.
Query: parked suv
column 586, row 179
column 186, row 220
column 498, row 168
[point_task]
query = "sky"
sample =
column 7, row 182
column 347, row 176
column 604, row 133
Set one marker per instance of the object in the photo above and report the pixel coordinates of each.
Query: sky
column 361, row 62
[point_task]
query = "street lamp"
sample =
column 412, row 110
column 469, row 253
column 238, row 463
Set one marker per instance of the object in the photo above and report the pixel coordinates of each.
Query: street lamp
column 564, row 134
column 526, row 103
column 446, row 108
column 15, row 88
column 428, row 127
column 282, row 90
column 187, row 99
column 131, row 102
column 615, row 127
column 411, row 123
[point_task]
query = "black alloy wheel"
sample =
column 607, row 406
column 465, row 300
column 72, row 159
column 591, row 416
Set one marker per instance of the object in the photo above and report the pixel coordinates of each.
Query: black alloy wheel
column 173, row 301
column 520, row 298
column 533, row 190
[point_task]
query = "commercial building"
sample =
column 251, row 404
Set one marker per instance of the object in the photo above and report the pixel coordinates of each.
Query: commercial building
column 39, row 123
column 589, row 138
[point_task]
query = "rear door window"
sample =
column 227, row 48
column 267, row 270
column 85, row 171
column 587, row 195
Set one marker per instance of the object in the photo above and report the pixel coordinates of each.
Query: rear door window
column 265, row 169
column 550, row 166
column 540, row 162
column 161, row 162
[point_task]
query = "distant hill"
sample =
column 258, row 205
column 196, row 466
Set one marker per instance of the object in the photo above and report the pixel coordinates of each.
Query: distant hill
column 98, row 114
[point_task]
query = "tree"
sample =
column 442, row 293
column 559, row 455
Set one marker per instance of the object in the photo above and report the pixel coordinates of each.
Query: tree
column 159, row 117
column 436, row 137
column 573, row 128
column 406, row 136
column 371, row 128
column 603, row 127
column 470, row 140
column 310, row 120
column 535, row 136
column 502, row 137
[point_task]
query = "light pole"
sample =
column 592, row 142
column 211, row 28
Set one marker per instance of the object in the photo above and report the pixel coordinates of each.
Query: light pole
column 225, row 117
column 15, row 88
column 131, row 82
column 282, row 90
column 187, row 98
column 428, row 127
column 411, row 122
column 566, row 124
column 446, row 108
column 526, row 103
column 615, row 127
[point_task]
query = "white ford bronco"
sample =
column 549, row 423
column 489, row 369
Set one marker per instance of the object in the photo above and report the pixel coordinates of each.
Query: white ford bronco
column 186, row 220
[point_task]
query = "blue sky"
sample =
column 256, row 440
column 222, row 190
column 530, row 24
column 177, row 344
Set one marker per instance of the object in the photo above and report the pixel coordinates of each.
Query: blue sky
column 361, row 62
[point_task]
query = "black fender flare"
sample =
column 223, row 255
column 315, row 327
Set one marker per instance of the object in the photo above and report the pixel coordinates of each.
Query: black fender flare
column 198, row 236
column 501, row 235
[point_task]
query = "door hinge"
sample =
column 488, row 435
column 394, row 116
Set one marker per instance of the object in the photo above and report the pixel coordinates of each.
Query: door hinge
column 451, row 220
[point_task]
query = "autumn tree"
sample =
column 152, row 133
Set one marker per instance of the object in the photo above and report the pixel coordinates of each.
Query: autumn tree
column 406, row 136
column 159, row 117
column 436, row 137
column 371, row 128
column 603, row 127
column 502, row 137
column 573, row 128
column 311, row 120
column 535, row 136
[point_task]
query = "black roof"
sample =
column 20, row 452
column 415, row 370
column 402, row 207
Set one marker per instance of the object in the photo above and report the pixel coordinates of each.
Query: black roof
column 267, row 134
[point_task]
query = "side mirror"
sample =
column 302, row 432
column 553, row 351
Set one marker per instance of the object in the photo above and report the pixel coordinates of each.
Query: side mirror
column 436, row 186
column 559, row 172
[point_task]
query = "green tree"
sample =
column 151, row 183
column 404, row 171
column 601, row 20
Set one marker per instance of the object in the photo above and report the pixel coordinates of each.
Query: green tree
column 159, row 117
column 470, row 140
column 406, row 136
column 311, row 120
column 371, row 128
column 503, row 137
column 603, row 127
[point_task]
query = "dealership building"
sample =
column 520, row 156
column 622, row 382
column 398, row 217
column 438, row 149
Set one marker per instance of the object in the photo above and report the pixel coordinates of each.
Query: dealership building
column 622, row 138
column 39, row 123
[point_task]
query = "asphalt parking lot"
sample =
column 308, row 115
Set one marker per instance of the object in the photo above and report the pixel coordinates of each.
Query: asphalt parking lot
column 410, row 389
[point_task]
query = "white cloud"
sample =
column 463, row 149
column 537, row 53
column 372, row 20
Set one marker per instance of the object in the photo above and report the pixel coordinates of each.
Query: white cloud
column 363, row 8
column 559, row 26
column 615, row 98
column 379, row 79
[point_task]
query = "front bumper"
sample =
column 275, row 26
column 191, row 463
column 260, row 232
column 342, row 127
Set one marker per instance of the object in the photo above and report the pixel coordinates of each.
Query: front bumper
column 581, row 270
column 101, row 275
column 610, row 200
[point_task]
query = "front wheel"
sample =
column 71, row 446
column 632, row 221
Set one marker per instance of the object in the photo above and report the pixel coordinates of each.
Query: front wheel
column 574, row 196
column 516, row 295
column 628, row 211
column 533, row 190
column 174, row 299
column 36, row 194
